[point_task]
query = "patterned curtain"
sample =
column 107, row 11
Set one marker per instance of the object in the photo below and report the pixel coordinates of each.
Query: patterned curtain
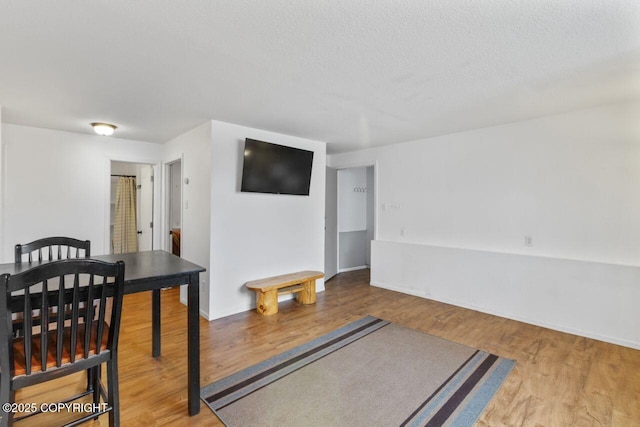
column 125, row 236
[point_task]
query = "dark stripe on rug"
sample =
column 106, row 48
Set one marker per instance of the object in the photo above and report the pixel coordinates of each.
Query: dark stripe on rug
column 445, row 412
column 435, row 393
column 286, row 363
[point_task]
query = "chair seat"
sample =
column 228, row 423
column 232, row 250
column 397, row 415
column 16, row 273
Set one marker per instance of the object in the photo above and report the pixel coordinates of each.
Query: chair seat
column 36, row 365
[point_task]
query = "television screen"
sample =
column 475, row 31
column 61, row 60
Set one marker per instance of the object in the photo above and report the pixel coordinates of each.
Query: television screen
column 275, row 169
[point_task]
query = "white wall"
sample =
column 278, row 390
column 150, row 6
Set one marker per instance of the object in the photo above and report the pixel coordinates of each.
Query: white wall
column 260, row 235
column 236, row 236
column 568, row 181
column 57, row 183
column 194, row 149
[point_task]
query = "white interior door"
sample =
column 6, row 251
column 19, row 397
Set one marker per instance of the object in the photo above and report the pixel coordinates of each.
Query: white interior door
column 145, row 210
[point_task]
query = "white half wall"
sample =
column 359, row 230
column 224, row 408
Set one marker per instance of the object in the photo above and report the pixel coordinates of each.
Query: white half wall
column 561, row 187
column 590, row 299
column 260, row 235
column 57, row 183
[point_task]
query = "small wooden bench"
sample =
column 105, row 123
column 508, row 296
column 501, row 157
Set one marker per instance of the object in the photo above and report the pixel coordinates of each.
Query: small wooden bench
column 302, row 283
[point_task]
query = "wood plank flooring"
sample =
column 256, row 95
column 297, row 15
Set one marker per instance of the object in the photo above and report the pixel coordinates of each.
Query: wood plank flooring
column 559, row 379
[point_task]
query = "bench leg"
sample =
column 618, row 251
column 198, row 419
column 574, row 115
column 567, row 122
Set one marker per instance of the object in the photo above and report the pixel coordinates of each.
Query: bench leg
column 267, row 302
column 308, row 293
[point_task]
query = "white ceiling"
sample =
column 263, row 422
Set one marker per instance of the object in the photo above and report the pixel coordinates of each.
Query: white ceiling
column 356, row 73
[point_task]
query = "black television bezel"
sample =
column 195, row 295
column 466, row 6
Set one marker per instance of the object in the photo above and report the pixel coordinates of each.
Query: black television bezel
column 284, row 149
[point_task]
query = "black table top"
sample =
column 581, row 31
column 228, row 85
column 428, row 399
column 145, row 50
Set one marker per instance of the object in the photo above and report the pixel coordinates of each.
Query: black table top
column 151, row 264
column 138, row 266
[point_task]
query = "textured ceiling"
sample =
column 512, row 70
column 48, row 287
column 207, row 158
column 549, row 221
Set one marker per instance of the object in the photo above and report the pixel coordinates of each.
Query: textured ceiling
column 355, row 73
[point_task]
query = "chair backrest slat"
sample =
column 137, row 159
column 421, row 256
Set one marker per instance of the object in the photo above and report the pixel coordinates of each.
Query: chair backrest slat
column 44, row 324
column 28, row 330
column 60, row 320
column 65, row 248
column 88, row 317
column 75, row 310
column 102, row 313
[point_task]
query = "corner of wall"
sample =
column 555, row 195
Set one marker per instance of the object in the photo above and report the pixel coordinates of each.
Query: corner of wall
column 2, row 192
column 194, row 148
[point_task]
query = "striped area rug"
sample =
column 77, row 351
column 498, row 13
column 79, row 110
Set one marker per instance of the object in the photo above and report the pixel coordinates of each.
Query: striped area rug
column 368, row 373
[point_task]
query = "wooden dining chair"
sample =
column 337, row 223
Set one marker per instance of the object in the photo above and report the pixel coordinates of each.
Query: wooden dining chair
column 54, row 345
column 53, row 248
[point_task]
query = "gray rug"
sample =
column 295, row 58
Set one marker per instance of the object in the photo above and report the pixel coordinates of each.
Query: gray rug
column 368, row 373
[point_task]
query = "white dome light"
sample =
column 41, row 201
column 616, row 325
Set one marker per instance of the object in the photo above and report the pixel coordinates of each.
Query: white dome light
column 104, row 129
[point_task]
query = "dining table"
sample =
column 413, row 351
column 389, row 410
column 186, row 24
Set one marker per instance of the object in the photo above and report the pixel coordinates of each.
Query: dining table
column 154, row 271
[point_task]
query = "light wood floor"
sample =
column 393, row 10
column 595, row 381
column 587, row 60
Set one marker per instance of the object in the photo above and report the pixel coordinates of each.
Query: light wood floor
column 559, row 379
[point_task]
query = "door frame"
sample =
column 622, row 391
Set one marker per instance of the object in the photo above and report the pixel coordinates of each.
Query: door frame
column 330, row 223
column 157, row 174
column 166, row 191
column 140, row 201
column 350, row 165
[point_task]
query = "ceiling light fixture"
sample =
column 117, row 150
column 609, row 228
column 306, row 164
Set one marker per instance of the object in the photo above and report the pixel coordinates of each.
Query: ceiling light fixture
column 104, row 129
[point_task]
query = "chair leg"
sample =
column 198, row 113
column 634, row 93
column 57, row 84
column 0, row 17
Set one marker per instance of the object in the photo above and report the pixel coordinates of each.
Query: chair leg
column 113, row 396
column 6, row 396
column 94, row 375
column 89, row 380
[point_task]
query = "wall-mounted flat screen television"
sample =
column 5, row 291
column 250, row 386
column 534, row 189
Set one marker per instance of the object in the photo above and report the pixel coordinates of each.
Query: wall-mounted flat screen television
column 275, row 169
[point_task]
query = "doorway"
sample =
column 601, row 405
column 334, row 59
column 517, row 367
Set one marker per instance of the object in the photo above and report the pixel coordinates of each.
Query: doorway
column 355, row 218
column 138, row 234
column 350, row 223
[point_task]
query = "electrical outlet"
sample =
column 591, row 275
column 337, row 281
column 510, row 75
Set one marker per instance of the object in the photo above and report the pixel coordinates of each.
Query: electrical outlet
column 528, row 241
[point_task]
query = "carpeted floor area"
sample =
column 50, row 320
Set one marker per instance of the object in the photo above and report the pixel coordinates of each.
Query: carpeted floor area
column 368, row 373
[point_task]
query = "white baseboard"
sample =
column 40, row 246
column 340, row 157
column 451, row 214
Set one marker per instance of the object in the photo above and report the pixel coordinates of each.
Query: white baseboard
column 555, row 327
column 201, row 311
column 344, row 270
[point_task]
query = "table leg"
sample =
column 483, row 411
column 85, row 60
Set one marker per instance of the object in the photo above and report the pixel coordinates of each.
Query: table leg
column 193, row 324
column 155, row 314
